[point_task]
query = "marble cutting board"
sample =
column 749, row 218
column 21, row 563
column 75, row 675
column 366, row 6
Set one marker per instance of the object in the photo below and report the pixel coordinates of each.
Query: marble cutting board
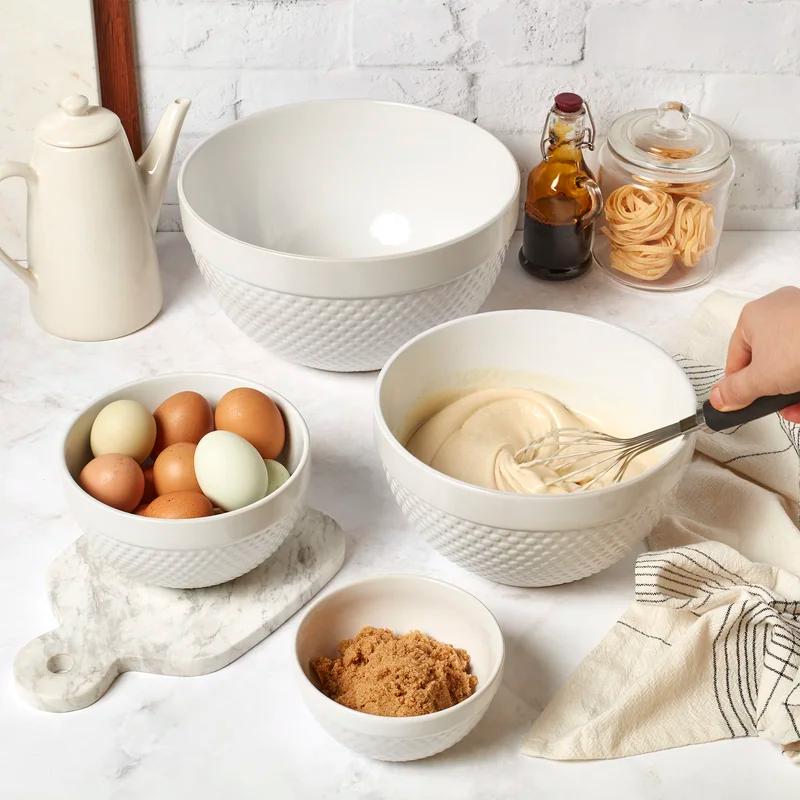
column 109, row 624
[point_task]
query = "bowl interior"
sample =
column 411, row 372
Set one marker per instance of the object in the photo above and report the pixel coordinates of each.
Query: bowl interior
column 349, row 179
column 621, row 380
column 151, row 392
column 403, row 603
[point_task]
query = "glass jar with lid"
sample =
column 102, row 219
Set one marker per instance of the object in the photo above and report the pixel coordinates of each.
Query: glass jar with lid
column 665, row 175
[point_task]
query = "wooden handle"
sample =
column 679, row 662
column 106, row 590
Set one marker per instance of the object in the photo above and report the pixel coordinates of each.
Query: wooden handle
column 113, row 32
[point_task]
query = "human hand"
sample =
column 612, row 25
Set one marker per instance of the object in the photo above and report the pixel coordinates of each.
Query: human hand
column 763, row 354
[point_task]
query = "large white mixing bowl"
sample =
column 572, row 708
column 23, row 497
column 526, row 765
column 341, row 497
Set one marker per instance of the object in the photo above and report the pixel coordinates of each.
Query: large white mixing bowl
column 334, row 231
column 596, row 368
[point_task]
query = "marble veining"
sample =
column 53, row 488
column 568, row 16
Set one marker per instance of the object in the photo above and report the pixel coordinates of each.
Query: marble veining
column 110, row 624
column 243, row 732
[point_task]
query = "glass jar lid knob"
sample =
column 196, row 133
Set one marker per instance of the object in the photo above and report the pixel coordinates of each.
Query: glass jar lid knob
column 673, row 118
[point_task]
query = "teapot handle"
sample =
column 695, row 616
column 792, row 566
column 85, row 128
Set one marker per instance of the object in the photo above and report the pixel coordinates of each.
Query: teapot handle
column 16, row 169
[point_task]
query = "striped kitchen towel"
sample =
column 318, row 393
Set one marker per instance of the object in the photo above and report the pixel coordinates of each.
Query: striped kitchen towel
column 710, row 649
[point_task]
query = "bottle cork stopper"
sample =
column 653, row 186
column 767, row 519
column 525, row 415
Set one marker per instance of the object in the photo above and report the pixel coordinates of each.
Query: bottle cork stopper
column 568, row 102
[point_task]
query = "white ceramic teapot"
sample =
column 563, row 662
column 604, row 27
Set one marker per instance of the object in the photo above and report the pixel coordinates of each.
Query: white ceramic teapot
column 92, row 210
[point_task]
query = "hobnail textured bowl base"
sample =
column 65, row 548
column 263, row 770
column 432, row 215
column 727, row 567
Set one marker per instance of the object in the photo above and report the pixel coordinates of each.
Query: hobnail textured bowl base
column 345, row 334
column 528, row 558
column 192, row 569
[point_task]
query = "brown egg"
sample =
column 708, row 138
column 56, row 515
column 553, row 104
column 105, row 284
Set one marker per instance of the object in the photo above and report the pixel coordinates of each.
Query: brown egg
column 149, row 485
column 140, row 510
column 174, row 469
column 255, row 417
column 115, row 480
column 183, row 417
column 179, row 505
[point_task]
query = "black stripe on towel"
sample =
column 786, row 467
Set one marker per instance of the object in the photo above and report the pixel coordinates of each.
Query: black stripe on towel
column 648, row 635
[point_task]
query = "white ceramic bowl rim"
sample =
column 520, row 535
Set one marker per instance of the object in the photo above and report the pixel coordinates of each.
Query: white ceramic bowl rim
column 513, row 497
column 199, row 520
column 366, row 260
column 394, row 725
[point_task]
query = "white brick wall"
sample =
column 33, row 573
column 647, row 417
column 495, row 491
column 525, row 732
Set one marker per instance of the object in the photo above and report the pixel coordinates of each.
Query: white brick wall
column 389, row 32
column 497, row 62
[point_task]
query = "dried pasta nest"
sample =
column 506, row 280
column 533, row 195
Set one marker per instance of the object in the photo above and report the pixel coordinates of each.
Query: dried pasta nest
column 648, row 260
column 646, row 229
column 635, row 215
column 694, row 229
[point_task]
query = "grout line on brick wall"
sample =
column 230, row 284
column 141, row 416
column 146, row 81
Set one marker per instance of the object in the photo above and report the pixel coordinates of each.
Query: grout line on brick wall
column 458, row 30
column 702, row 99
column 471, row 110
column 371, row 69
column 350, row 61
column 237, row 98
column 582, row 56
column 200, row 42
column 797, row 185
column 403, row 91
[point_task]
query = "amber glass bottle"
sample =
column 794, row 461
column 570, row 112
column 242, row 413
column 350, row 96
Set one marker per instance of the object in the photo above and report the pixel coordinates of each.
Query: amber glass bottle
column 563, row 198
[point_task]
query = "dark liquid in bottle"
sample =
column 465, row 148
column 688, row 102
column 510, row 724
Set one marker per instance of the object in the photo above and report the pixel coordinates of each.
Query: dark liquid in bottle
column 555, row 246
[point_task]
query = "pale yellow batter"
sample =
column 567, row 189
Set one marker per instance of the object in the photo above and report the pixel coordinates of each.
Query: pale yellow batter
column 476, row 437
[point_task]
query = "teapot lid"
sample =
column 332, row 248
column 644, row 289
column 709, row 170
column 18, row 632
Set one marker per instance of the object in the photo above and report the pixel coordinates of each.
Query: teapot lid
column 77, row 124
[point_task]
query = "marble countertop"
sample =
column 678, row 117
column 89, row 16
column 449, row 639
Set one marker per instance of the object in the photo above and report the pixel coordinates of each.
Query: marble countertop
column 243, row 732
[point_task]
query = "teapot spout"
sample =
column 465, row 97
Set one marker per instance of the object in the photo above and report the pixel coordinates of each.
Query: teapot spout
column 154, row 164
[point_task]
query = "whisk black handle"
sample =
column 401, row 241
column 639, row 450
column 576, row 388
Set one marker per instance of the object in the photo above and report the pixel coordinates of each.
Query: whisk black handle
column 722, row 420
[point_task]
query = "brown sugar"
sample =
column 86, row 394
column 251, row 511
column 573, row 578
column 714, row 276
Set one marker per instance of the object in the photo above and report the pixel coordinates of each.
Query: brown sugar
column 395, row 676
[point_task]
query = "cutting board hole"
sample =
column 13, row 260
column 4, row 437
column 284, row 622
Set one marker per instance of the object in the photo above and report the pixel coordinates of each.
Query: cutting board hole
column 60, row 663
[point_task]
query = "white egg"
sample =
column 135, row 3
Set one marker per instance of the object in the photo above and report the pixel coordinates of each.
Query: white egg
column 125, row 427
column 230, row 470
column 277, row 474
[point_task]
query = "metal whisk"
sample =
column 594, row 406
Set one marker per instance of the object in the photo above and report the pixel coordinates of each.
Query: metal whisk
column 587, row 457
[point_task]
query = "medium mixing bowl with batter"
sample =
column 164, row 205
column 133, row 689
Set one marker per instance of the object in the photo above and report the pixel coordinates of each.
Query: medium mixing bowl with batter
column 463, row 392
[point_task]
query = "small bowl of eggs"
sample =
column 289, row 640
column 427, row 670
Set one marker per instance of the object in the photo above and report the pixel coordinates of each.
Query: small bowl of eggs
column 187, row 480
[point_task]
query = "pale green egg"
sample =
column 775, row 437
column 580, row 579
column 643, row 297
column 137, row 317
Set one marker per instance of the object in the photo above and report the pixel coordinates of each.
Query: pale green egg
column 277, row 474
column 230, row 470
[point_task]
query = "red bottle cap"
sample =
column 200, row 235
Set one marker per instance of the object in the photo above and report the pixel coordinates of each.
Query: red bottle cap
column 568, row 102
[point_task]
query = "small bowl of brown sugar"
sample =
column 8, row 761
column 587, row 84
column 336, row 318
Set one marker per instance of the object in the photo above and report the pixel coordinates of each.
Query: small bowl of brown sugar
column 399, row 667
